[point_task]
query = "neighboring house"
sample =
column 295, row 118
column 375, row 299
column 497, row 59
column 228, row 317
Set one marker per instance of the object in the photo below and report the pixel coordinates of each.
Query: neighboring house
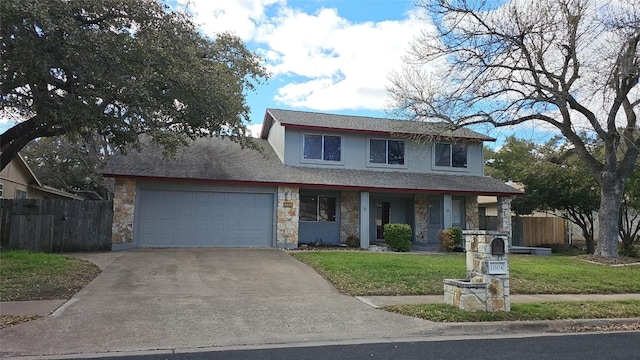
column 320, row 178
column 17, row 181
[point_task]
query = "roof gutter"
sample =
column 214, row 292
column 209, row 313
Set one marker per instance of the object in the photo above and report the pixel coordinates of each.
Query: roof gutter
column 376, row 132
column 316, row 186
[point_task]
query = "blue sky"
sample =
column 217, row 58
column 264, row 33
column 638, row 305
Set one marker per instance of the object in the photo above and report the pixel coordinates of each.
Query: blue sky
column 327, row 56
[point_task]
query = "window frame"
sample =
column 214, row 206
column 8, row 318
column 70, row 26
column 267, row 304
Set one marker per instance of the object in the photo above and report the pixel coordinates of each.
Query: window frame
column 22, row 196
column 386, row 153
column 322, row 159
column 318, row 208
column 450, row 165
column 1, row 191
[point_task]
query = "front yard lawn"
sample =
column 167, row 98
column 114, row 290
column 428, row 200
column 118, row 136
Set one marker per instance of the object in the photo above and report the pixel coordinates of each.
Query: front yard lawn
column 526, row 312
column 26, row 275
column 364, row 273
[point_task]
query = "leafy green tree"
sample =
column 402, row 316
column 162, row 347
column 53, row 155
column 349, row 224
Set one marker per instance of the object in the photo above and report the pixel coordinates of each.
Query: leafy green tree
column 71, row 165
column 512, row 160
column 555, row 181
column 118, row 69
column 571, row 65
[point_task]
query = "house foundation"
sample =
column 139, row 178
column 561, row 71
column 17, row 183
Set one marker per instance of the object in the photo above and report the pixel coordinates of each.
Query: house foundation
column 486, row 287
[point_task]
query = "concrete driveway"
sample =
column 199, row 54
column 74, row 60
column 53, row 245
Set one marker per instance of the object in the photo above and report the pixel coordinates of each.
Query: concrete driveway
column 195, row 298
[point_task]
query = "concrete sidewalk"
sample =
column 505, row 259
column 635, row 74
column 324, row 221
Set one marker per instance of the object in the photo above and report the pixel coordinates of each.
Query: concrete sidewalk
column 26, row 308
column 46, row 307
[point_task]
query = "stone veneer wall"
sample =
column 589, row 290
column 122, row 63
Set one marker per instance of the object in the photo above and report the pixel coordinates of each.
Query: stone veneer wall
column 288, row 217
column 504, row 217
column 420, row 219
column 471, row 212
column 124, row 200
column 349, row 214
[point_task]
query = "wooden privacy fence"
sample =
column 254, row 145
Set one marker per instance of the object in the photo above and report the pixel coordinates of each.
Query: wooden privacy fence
column 56, row 225
column 534, row 231
column 531, row 230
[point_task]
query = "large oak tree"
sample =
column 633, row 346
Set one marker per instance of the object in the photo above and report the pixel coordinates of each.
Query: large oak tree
column 572, row 65
column 118, row 69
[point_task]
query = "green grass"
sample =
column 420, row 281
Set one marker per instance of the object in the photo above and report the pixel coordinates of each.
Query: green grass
column 525, row 312
column 365, row 273
column 26, row 275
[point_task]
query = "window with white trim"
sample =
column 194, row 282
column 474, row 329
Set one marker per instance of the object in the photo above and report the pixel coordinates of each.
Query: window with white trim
column 322, row 147
column 450, row 155
column 389, row 152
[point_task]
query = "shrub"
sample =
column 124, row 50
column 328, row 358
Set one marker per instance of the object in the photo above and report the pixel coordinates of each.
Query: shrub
column 353, row 241
column 564, row 249
column 457, row 235
column 630, row 250
column 447, row 242
column 398, row 236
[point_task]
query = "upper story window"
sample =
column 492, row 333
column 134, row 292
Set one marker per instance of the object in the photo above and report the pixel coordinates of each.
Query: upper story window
column 317, row 208
column 451, row 155
column 322, row 147
column 386, row 152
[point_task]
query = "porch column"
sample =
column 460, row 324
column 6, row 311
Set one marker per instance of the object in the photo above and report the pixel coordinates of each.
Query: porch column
column 364, row 220
column 124, row 201
column 447, row 202
column 504, row 217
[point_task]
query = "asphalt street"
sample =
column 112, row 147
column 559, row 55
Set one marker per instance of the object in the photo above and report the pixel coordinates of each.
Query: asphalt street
column 610, row 346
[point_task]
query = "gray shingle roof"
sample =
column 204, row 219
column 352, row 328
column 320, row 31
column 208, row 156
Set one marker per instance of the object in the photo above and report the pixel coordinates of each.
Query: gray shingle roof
column 367, row 124
column 214, row 159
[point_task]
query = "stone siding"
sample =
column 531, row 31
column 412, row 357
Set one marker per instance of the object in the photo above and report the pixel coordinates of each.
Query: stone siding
column 349, row 215
column 471, row 212
column 288, row 217
column 420, row 207
column 504, row 217
column 124, row 200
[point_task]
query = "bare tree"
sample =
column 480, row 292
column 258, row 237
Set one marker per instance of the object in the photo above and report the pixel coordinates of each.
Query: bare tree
column 572, row 65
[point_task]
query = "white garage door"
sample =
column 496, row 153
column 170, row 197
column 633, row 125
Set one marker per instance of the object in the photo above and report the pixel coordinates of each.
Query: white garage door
column 177, row 218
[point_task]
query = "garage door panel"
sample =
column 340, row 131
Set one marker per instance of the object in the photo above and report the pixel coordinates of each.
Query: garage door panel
column 178, row 218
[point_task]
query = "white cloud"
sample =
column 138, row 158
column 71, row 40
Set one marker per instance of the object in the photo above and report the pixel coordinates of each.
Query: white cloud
column 322, row 60
column 255, row 130
column 343, row 65
column 238, row 16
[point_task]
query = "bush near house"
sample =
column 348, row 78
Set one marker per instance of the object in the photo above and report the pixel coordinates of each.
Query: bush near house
column 398, row 236
column 450, row 238
column 353, row 241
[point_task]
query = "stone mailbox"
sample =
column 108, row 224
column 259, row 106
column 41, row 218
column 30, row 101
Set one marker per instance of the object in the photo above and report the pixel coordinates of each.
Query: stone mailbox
column 486, row 287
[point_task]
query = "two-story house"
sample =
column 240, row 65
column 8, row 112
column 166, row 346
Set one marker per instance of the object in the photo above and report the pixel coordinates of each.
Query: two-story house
column 319, row 179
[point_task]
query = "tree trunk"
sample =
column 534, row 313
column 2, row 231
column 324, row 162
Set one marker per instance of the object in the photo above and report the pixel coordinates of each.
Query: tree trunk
column 612, row 190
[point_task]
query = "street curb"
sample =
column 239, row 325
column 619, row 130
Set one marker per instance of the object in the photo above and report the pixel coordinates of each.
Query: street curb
column 530, row 326
column 441, row 332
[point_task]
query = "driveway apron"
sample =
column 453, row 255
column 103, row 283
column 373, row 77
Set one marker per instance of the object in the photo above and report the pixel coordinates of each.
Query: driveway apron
column 150, row 299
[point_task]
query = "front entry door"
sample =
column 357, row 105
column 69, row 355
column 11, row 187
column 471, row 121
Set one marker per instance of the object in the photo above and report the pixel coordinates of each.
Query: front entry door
column 383, row 214
column 435, row 216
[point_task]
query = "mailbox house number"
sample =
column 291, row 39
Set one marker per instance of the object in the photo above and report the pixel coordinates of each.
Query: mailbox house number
column 497, row 267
